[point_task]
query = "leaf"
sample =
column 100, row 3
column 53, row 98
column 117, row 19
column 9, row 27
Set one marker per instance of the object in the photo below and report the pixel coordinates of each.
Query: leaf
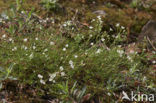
column 72, row 89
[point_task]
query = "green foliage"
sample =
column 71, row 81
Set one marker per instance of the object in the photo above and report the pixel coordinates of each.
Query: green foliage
column 50, row 4
column 50, row 61
column 5, row 73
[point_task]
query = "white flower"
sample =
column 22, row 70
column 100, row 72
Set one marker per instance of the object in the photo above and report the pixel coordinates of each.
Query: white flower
column 64, row 49
column 118, row 24
column 40, row 76
column 90, row 35
column 22, row 12
column 54, row 81
column 34, row 47
column 71, row 64
column 52, row 76
column 103, row 39
column 98, row 51
column 99, row 17
column 122, row 27
column 25, row 40
column 42, row 81
column 154, row 62
column 64, row 25
column 31, row 56
column 90, row 27
column 43, row 53
column 61, row 68
column 93, row 20
column 45, row 50
column 129, row 58
column 66, row 45
column 10, row 39
column 4, row 36
column 111, row 29
column 52, row 43
column 62, row 73
column 109, row 94
column 75, row 56
column 120, row 52
column 25, row 48
column 91, row 44
column 1, row 19
column 36, row 38
column 14, row 49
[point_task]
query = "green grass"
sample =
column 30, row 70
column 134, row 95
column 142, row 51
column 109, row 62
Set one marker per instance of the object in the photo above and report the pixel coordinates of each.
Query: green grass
column 67, row 63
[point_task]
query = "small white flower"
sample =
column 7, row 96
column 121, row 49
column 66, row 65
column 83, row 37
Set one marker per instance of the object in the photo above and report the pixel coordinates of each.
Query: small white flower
column 75, row 56
column 52, row 76
column 122, row 27
column 154, row 62
column 98, row 51
column 120, row 52
column 109, row 94
column 99, row 17
column 36, row 38
column 90, row 27
column 66, row 45
column 64, row 25
column 93, row 20
column 14, row 49
column 10, row 39
column 42, row 81
column 111, row 29
column 45, row 50
column 119, row 46
column 61, row 68
column 52, row 43
column 91, row 35
column 54, row 81
column 71, row 64
column 40, row 76
column 64, row 49
column 129, row 58
column 25, row 40
column 4, row 36
column 34, row 47
column 22, row 12
column 103, row 39
column 25, row 48
column 91, row 44
column 62, row 73
column 118, row 24
column 1, row 19
column 31, row 56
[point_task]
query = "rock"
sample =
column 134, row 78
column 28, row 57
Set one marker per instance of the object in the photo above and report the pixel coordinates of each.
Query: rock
column 148, row 32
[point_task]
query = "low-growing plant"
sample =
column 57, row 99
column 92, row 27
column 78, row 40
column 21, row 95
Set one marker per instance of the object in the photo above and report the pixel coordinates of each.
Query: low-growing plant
column 50, row 4
column 5, row 73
